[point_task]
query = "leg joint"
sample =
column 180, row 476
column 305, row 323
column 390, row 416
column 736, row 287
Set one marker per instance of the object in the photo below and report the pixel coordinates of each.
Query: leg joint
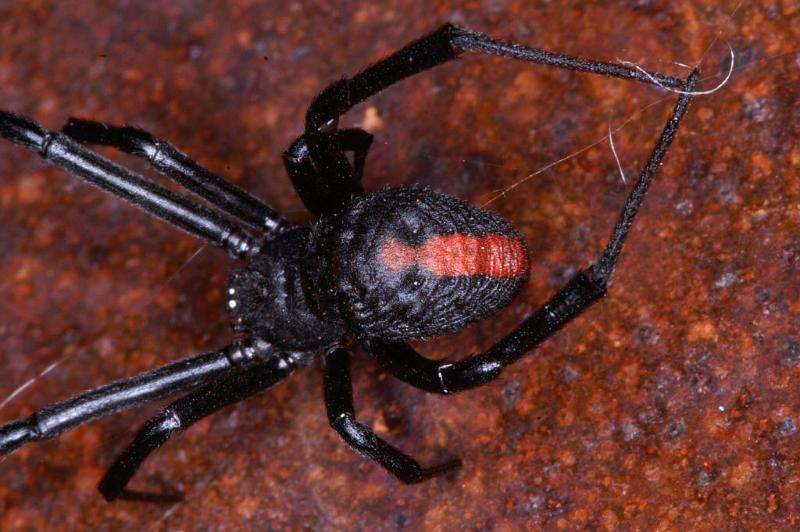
column 354, row 433
column 469, row 373
column 326, row 108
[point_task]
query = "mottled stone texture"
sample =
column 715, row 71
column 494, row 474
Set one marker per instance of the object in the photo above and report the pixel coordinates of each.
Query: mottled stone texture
column 672, row 404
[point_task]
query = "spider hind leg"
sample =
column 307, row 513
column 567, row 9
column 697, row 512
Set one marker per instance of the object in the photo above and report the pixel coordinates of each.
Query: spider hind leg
column 321, row 173
column 318, row 182
column 583, row 290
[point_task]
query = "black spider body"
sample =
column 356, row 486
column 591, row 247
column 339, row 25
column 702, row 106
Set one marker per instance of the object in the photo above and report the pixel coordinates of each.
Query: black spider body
column 269, row 298
column 373, row 270
column 348, row 262
column 306, row 289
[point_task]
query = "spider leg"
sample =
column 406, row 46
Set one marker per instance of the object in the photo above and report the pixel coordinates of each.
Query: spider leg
column 152, row 385
column 341, row 414
column 445, row 44
column 175, row 209
column 179, row 415
column 357, row 141
column 179, row 167
column 333, row 186
column 585, row 288
column 333, row 180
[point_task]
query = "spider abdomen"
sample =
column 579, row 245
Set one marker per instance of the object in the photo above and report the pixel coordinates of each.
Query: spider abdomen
column 454, row 255
column 410, row 263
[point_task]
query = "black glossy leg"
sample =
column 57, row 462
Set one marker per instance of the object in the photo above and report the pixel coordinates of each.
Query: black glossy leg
column 328, row 184
column 96, row 170
column 358, row 141
column 180, row 168
column 441, row 46
column 152, row 385
column 339, row 403
column 200, row 403
column 333, row 184
column 583, row 290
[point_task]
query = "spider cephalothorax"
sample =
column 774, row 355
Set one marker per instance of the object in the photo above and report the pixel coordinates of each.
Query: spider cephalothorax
column 374, row 269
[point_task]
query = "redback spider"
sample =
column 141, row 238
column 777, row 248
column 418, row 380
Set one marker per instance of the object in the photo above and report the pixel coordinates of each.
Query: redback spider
column 375, row 269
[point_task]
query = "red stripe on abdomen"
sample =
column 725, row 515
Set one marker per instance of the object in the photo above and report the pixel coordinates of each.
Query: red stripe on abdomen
column 453, row 255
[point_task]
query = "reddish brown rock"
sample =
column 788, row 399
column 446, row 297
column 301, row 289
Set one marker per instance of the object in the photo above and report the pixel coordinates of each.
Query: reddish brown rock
column 673, row 403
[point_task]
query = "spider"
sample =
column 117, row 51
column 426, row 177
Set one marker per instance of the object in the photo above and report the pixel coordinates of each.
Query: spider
column 374, row 269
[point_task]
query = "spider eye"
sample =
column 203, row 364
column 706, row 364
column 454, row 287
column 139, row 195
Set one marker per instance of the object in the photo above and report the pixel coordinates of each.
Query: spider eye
column 414, row 264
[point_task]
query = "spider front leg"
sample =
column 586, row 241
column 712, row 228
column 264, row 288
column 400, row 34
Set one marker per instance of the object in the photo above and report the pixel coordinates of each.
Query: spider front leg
column 156, row 384
column 179, row 167
column 159, row 201
column 585, row 288
column 341, row 414
column 184, row 412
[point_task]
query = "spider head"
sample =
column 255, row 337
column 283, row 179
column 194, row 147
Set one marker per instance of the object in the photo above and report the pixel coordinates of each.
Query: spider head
column 409, row 263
